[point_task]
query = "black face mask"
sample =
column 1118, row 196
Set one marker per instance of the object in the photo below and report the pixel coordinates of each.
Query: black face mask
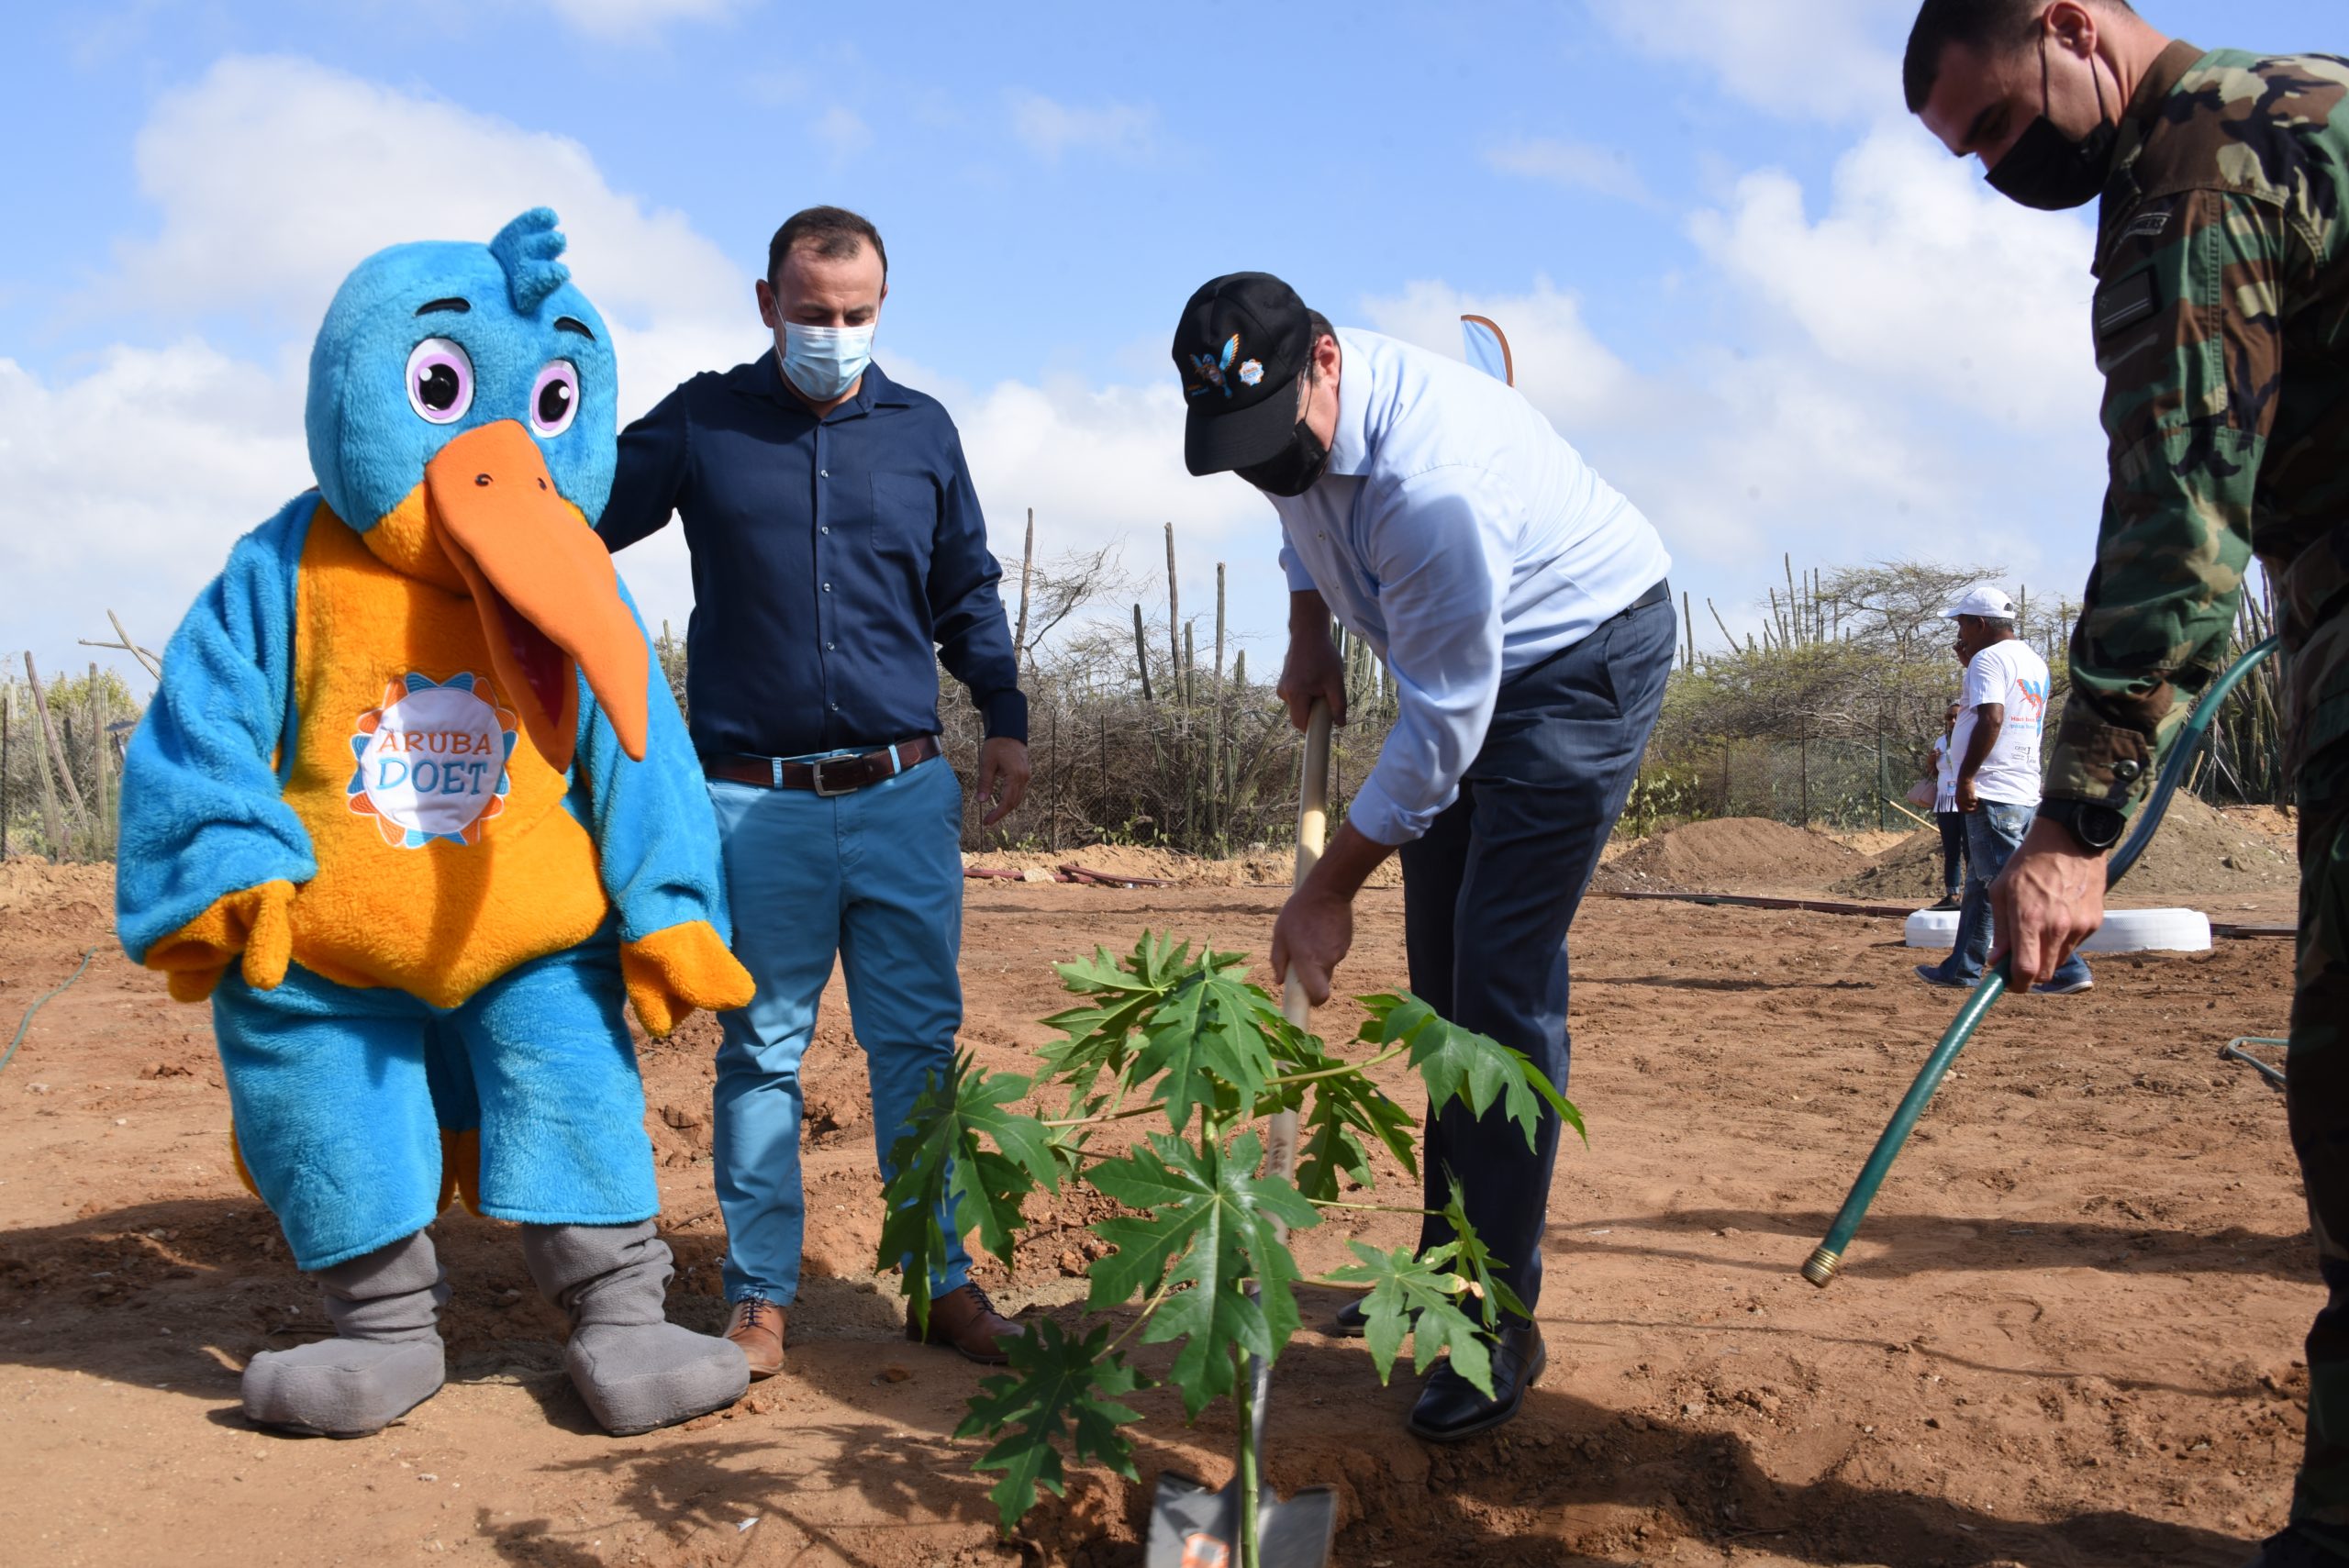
column 1293, row 469
column 2049, row 171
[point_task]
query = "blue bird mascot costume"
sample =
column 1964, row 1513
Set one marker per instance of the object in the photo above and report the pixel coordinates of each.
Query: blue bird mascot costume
column 413, row 810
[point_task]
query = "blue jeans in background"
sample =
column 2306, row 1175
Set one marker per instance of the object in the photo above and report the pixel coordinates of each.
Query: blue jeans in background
column 877, row 877
column 1993, row 833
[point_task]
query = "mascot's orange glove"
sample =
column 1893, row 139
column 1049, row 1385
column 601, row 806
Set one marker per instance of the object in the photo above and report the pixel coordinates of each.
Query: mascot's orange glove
column 672, row 971
column 255, row 923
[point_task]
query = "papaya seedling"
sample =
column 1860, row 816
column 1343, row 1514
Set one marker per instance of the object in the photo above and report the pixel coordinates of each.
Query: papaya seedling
column 1180, row 1049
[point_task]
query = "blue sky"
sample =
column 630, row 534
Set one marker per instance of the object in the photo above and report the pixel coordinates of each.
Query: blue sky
column 1737, row 276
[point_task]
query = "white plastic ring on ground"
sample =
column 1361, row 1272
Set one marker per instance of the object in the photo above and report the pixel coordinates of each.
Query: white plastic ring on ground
column 2125, row 931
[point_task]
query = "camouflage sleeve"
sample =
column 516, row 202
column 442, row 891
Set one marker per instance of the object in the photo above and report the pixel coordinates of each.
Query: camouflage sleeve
column 2188, row 337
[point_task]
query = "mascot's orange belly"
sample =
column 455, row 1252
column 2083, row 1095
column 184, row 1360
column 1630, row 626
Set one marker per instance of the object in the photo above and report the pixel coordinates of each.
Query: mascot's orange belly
column 445, row 855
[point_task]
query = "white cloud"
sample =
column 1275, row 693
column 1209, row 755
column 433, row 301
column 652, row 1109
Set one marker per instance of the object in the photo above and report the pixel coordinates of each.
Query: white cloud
column 1802, row 59
column 272, row 178
column 1049, row 129
column 1561, row 364
column 1573, row 165
column 1763, row 452
column 269, row 178
column 623, row 21
column 1739, row 456
column 1097, row 464
column 128, row 486
column 275, row 176
column 843, row 130
column 1920, row 274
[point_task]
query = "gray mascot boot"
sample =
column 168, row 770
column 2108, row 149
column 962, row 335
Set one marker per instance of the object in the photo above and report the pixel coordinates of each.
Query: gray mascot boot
column 385, row 1359
column 636, row 1369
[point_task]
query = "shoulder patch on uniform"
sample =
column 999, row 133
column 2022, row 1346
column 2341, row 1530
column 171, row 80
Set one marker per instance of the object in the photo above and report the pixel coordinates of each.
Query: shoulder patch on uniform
column 2124, row 304
column 2146, row 226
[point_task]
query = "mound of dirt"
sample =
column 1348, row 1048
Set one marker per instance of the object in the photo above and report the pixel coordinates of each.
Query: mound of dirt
column 1262, row 868
column 1732, row 855
column 2200, row 853
column 29, row 882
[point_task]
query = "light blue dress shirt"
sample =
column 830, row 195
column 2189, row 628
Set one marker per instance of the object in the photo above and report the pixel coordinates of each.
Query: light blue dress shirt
column 1467, row 542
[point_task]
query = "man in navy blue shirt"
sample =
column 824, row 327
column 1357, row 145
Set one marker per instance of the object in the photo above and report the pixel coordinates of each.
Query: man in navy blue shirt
column 838, row 557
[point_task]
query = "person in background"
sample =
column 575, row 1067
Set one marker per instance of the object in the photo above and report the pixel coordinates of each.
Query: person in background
column 1946, row 815
column 839, row 559
column 1995, row 785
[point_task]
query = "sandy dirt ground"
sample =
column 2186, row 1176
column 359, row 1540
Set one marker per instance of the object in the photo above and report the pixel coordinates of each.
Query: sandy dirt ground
column 2067, row 1337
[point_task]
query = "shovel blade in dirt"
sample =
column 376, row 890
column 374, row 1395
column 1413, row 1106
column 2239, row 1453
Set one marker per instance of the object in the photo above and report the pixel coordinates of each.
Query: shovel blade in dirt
column 1191, row 1527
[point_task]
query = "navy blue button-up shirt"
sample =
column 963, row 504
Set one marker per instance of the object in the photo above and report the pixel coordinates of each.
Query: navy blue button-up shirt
column 831, row 557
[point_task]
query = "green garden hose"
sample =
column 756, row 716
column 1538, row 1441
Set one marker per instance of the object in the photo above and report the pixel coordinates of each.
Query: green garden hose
column 1821, row 1268
column 27, row 1021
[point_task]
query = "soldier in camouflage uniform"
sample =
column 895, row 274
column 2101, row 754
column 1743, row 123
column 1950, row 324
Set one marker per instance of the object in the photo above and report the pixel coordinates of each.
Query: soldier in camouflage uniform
column 2221, row 324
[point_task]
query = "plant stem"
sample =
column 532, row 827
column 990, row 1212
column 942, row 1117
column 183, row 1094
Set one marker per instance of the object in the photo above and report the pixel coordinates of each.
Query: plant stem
column 1146, row 1308
column 1153, row 1107
column 1243, row 1395
column 1341, row 1070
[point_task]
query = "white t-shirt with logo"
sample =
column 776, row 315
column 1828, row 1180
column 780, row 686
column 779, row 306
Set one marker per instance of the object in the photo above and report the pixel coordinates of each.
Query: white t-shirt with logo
column 1945, row 774
column 2011, row 674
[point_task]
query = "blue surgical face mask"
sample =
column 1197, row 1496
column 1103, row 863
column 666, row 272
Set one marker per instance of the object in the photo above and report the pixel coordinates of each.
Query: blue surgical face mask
column 823, row 362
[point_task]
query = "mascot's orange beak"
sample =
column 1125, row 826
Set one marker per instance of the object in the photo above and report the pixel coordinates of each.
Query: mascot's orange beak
column 543, row 584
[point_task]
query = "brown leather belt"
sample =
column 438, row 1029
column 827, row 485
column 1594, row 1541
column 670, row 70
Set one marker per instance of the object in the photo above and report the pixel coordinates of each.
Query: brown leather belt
column 833, row 776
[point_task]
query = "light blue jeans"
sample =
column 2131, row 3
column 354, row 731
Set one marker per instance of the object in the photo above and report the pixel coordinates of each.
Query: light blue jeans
column 877, row 877
column 1992, row 836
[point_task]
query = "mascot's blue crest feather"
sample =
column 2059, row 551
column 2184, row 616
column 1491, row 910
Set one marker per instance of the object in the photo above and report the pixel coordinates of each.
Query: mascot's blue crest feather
column 527, row 248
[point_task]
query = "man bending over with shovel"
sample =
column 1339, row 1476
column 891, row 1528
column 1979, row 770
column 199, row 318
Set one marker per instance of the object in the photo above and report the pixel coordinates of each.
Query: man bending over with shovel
column 1520, row 602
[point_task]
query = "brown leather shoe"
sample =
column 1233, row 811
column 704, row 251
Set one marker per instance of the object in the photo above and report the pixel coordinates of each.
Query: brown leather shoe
column 756, row 1325
column 968, row 1321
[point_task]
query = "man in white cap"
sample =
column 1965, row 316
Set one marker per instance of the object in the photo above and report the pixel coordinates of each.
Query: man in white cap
column 2004, row 704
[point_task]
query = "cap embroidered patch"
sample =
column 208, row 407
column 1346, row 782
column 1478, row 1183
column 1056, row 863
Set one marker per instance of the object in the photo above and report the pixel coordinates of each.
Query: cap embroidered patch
column 431, row 761
column 1251, row 373
column 1211, row 370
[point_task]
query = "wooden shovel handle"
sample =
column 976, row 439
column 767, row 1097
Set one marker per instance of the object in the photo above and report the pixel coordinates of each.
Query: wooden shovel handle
column 1312, row 837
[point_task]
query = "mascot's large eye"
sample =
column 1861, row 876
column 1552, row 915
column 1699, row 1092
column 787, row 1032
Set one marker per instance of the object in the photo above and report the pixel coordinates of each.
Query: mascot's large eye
column 554, row 398
column 440, row 381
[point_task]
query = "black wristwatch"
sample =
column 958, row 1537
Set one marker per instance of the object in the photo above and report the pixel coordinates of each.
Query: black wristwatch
column 2096, row 828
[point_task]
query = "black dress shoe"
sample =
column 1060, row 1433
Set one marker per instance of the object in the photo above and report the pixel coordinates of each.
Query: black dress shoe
column 2289, row 1548
column 1450, row 1408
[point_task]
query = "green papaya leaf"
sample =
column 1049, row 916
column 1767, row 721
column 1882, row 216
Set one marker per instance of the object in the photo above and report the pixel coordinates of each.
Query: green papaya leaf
column 1409, row 1296
column 1458, row 1063
column 1327, row 1151
column 1060, row 1390
column 1217, row 1022
column 943, row 1173
column 1211, row 1228
column 1203, row 1037
column 1097, row 1036
column 1349, row 1109
column 1467, row 1256
column 1345, row 1111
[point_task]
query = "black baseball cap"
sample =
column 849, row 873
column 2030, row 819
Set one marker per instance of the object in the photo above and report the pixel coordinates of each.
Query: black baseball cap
column 1242, row 343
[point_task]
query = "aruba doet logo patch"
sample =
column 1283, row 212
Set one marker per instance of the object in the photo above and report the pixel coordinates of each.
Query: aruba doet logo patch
column 432, row 760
